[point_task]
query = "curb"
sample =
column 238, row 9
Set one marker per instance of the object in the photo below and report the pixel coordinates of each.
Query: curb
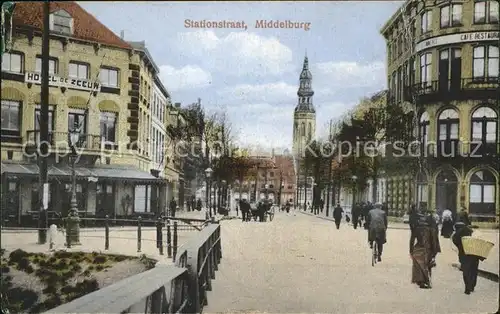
column 331, row 219
column 483, row 273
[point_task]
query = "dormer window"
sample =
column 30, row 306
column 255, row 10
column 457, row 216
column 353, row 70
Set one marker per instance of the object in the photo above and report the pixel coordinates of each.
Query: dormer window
column 61, row 22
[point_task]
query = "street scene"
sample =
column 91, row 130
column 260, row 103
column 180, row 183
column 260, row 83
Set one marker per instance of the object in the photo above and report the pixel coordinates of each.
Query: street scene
column 250, row 157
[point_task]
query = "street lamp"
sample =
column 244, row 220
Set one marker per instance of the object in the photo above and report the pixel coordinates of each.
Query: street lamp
column 282, row 186
column 354, row 178
column 73, row 220
column 315, row 197
column 223, row 193
column 208, row 174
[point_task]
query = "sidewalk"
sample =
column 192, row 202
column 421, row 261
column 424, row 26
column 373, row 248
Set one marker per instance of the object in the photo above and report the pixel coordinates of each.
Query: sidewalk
column 490, row 267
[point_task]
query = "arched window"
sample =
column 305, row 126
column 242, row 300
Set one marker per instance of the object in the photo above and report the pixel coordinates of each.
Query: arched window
column 448, row 126
column 484, row 125
column 424, row 128
column 302, row 129
column 309, row 131
column 482, row 193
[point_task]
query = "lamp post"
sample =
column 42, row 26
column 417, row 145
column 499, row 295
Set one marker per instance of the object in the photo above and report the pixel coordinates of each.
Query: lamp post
column 354, row 178
column 208, row 174
column 222, row 195
column 73, row 220
column 315, row 197
column 282, row 186
column 266, row 186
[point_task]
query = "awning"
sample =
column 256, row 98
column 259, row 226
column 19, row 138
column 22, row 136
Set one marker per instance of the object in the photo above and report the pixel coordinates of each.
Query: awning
column 101, row 173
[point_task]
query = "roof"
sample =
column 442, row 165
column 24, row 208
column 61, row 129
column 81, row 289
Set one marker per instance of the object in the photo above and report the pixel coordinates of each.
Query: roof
column 141, row 46
column 86, row 26
column 161, row 87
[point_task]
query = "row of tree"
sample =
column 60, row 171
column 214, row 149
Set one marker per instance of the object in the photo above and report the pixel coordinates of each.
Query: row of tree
column 358, row 149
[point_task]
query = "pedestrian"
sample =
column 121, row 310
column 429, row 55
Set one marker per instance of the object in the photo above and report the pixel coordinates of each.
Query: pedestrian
column 469, row 264
column 424, row 231
column 355, row 215
column 173, row 207
column 198, row 205
column 337, row 215
column 287, row 207
column 447, row 226
column 377, row 227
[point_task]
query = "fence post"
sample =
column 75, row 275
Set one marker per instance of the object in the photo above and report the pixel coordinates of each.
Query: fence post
column 139, row 234
column 159, row 235
column 106, row 233
column 175, row 239
column 169, row 240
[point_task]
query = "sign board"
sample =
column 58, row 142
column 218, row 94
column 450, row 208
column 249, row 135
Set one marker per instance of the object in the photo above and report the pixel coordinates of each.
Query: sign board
column 36, row 78
column 456, row 38
column 45, row 196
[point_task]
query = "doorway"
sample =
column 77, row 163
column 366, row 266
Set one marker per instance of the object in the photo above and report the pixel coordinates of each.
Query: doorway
column 446, row 191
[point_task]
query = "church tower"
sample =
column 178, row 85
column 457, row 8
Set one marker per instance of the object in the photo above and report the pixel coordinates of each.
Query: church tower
column 304, row 118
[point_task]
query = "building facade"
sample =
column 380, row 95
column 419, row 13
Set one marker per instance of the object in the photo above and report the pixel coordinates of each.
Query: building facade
column 443, row 64
column 94, row 85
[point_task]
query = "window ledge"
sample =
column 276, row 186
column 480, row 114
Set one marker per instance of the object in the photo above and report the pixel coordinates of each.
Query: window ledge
column 110, row 90
column 12, row 76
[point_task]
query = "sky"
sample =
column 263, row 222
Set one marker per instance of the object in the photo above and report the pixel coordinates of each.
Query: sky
column 253, row 74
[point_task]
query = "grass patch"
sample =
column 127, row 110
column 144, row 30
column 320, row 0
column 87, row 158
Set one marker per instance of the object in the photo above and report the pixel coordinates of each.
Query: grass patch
column 65, row 276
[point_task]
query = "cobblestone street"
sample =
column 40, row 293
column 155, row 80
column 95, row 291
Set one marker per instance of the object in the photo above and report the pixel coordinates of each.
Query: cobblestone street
column 302, row 264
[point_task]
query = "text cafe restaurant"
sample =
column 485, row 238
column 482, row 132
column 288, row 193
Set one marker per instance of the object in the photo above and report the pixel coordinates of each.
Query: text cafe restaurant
column 102, row 187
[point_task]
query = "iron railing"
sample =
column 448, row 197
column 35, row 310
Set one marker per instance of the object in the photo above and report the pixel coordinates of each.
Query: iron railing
column 86, row 141
column 179, row 288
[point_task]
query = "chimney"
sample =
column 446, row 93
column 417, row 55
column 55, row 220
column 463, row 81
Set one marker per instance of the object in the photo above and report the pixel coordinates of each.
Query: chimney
column 177, row 105
column 122, row 34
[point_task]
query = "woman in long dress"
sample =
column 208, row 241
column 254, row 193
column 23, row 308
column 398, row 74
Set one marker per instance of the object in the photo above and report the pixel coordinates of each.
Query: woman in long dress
column 424, row 231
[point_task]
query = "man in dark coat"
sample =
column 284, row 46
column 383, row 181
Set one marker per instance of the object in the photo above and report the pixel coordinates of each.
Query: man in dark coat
column 198, row 205
column 469, row 264
column 337, row 215
column 173, row 207
column 377, row 226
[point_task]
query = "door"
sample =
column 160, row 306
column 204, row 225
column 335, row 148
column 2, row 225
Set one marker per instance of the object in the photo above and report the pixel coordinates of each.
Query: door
column 456, row 69
column 443, row 70
column 446, row 191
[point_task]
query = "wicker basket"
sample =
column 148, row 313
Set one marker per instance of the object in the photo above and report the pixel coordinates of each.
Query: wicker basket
column 475, row 246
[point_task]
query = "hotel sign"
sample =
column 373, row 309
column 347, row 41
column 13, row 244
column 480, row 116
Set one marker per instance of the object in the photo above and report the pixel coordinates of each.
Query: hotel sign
column 457, row 38
column 35, row 78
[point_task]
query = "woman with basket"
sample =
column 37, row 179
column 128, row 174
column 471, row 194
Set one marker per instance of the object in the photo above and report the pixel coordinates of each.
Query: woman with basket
column 470, row 252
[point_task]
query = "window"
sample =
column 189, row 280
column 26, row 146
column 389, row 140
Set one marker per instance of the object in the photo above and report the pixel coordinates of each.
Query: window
column 62, row 22
column 426, row 68
column 78, row 70
column 424, row 128
column 486, row 12
column 482, row 193
column 451, row 15
column 38, row 115
column 108, row 126
column 484, row 125
column 109, row 77
column 10, row 115
column 485, row 62
column 426, row 22
column 52, row 66
column 448, row 125
column 12, row 62
column 77, row 116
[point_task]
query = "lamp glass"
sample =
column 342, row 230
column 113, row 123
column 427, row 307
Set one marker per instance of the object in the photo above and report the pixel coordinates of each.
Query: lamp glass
column 354, row 177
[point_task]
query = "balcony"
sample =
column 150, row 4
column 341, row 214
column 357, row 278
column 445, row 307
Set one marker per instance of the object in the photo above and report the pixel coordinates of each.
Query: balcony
column 88, row 145
column 447, row 90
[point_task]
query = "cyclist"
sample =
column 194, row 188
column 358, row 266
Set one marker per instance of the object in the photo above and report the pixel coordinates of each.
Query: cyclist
column 376, row 221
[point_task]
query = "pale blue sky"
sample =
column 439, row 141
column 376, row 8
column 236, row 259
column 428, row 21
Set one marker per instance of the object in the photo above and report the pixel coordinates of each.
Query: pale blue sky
column 254, row 73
